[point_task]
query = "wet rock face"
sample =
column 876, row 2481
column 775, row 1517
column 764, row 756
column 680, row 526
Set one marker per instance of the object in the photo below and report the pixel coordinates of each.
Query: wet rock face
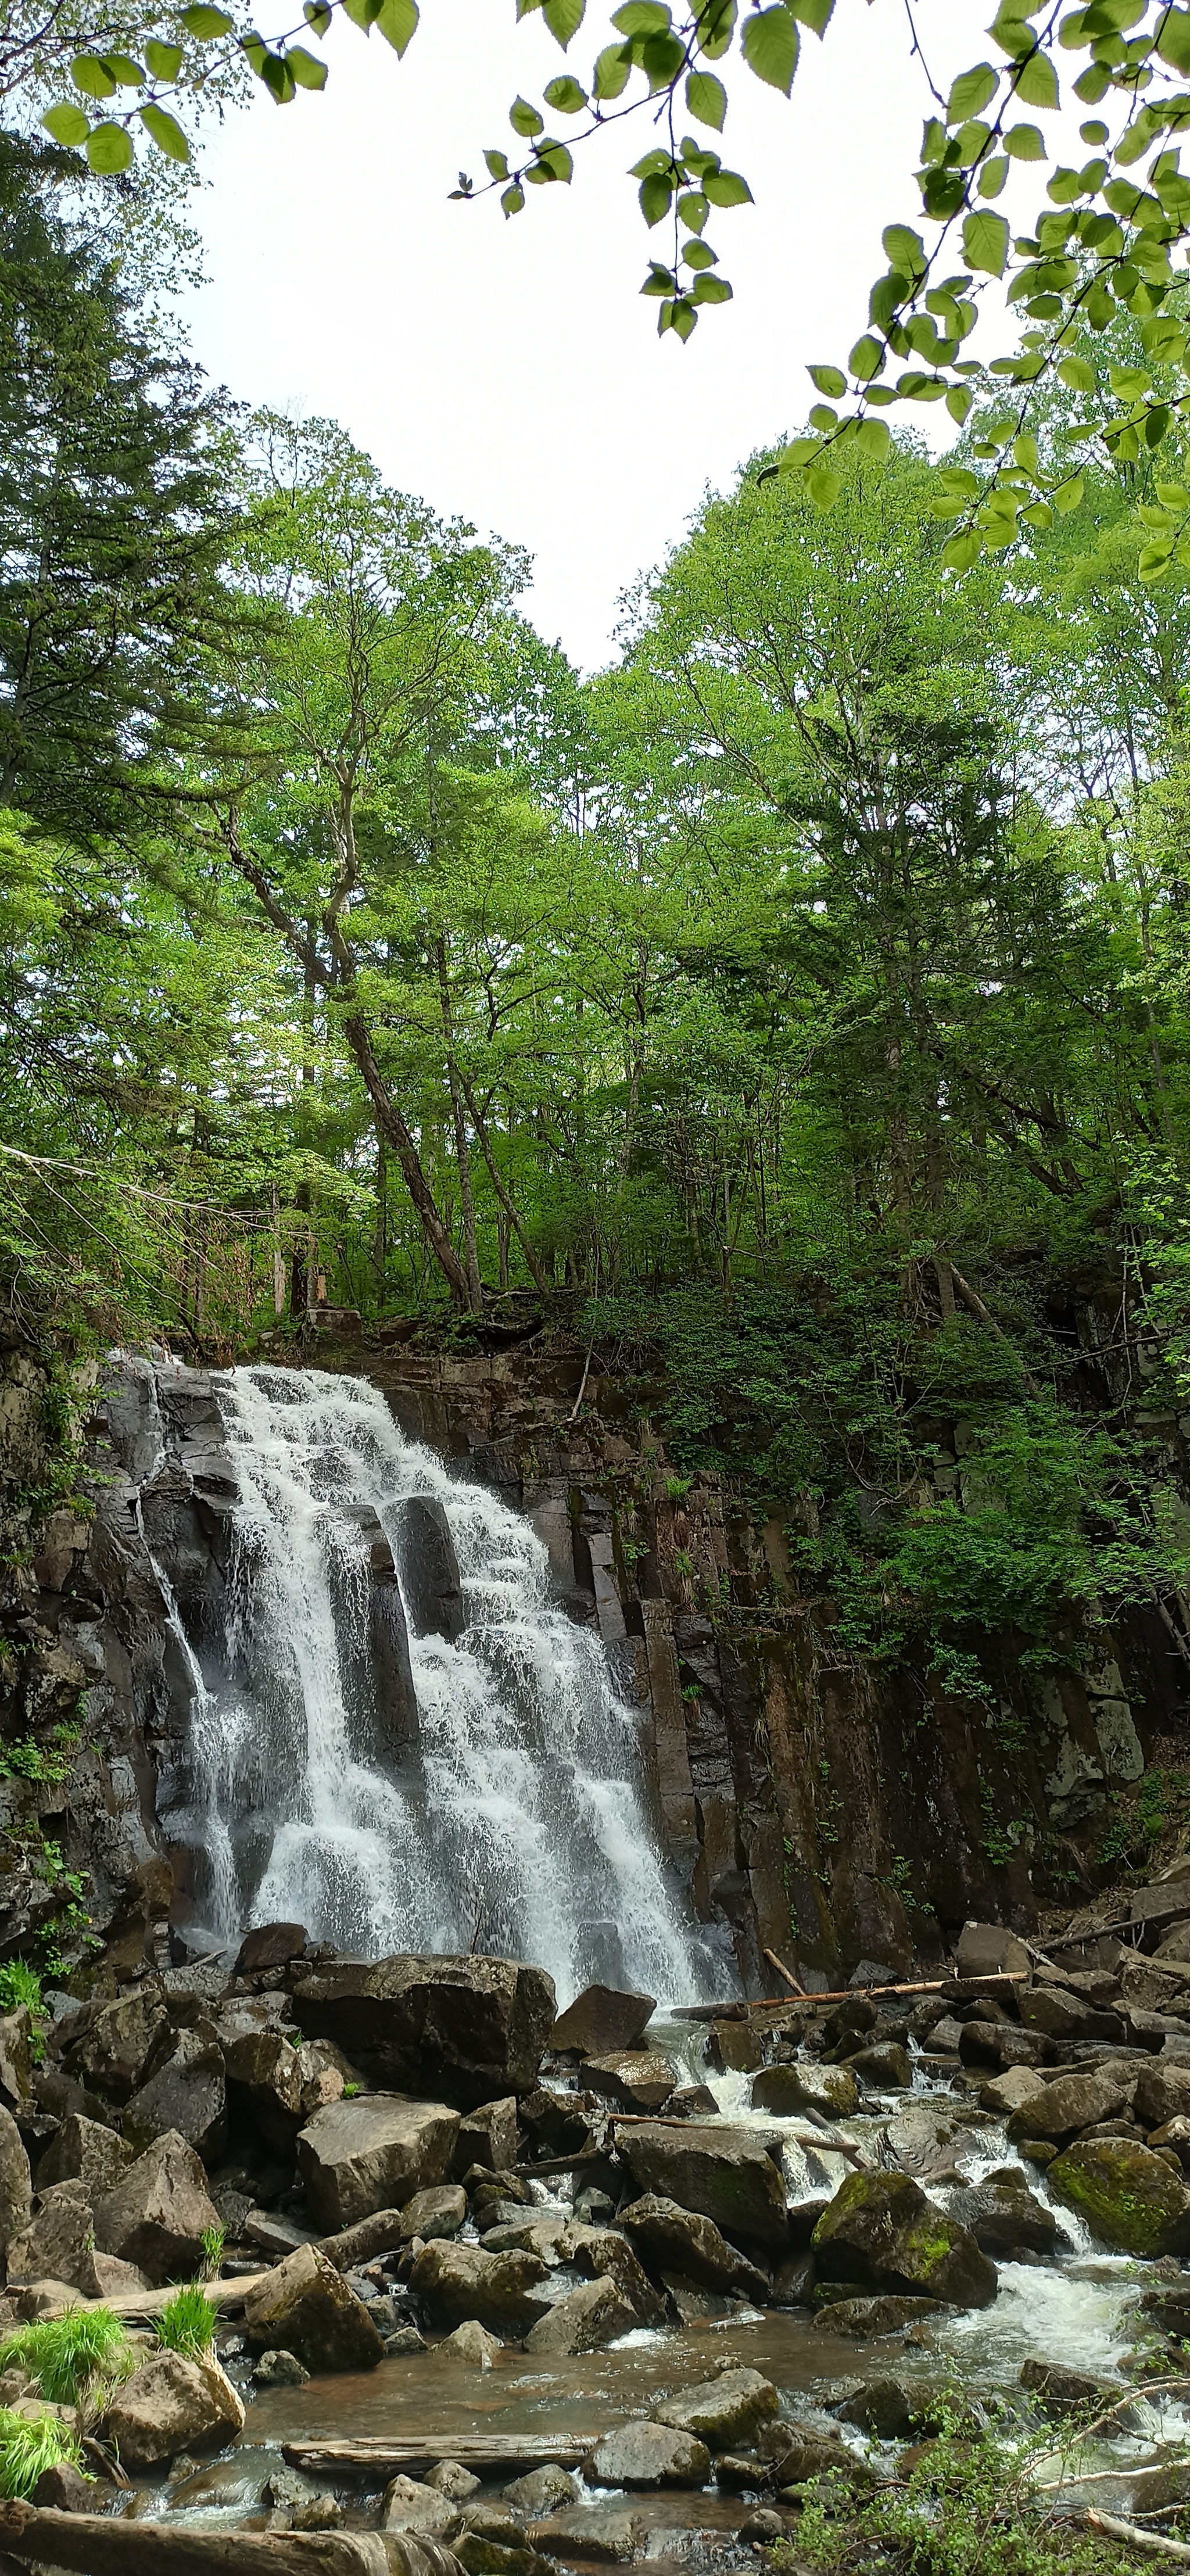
column 460, row 2282
column 601, row 2020
column 592, row 2315
column 429, row 1569
column 372, row 2153
column 463, row 2030
column 305, row 2307
column 727, row 2174
column 1130, row 2197
column 883, row 2233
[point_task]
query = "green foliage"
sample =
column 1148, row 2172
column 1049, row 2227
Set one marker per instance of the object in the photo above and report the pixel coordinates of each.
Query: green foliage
column 1139, row 1820
column 20, row 1986
column 188, row 2321
column 65, row 2354
column 30, row 2444
column 971, row 2506
column 212, row 2240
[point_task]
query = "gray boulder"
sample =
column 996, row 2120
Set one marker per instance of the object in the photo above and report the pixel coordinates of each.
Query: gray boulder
column 464, row 2030
column 1162, row 2093
column 271, row 1945
column 606, row 2254
column 115, row 2050
column 265, row 2080
column 172, row 2404
column 16, row 2197
column 187, row 2096
column 408, row 2505
column 58, row 2241
column 439, row 2211
column 460, row 2282
column 881, row 2232
column 592, row 2316
column 600, row 2020
column 488, row 2136
column 865, row 2318
column 1008, row 2219
column 988, row 1950
column 1074, row 2102
column 641, row 2454
column 305, row 2307
column 429, row 1569
column 725, row 2413
column 635, row 2079
column 84, row 2151
column 372, row 2153
column 546, row 2490
column 831, row 2090
column 672, row 2239
column 157, row 2214
column 472, row 2343
column 884, row 2067
column 727, row 2174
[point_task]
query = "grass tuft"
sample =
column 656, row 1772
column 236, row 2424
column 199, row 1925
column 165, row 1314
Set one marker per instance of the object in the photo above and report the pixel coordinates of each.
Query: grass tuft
column 187, row 2322
column 63, row 2354
column 29, row 2444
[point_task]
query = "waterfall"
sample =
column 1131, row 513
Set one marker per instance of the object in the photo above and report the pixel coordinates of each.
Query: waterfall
column 477, row 1790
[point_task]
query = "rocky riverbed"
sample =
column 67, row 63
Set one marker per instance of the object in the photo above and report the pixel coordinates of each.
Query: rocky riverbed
column 615, row 2284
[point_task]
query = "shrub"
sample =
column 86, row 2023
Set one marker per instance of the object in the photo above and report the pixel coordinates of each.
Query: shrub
column 63, row 2354
column 187, row 2322
column 30, row 2444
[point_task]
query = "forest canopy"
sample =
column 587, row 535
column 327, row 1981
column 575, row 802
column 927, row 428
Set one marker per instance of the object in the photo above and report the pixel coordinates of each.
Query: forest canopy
column 794, row 1010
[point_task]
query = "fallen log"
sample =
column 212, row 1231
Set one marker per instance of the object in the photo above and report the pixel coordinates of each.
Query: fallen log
column 96, row 2545
column 133, row 2305
column 475, row 2451
column 1152, row 2541
column 736, row 2011
column 784, row 1972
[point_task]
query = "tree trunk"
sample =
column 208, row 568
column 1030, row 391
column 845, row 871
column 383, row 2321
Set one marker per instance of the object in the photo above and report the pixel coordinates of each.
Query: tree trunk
column 395, row 1132
column 462, row 1148
column 480, row 1125
column 95, row 2545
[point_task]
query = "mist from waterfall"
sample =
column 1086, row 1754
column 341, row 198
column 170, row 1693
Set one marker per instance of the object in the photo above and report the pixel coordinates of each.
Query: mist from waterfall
column 519, row 1825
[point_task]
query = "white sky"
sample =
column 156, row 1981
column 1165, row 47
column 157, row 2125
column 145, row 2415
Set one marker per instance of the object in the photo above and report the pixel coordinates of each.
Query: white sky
column 510, row 372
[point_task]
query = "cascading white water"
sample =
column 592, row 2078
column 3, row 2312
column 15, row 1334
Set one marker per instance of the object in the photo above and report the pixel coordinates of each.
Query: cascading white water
column 517, row 1825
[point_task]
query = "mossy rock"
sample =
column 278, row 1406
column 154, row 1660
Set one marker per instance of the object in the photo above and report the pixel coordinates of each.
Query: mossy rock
column 1130, row 2198
column 881, row 2232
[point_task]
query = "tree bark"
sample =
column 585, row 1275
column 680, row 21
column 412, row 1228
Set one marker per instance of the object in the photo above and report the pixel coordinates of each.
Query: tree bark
column 95, row 2545
column 395, row 1132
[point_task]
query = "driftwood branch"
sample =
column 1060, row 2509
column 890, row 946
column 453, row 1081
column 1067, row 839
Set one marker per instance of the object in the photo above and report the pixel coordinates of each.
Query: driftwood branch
column 93, row 2544
column 783, row 1971
column 1152, row 2541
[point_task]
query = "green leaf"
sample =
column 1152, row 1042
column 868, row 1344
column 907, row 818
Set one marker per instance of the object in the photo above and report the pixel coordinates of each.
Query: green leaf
column 706, row 99
column 692, row 210
column 1038, row 515
column 655, row 195
column 1035, row 82
column 513, row 200
column 1068, row 494
column 1174, row 495
column 959, row 401
column 829, row 380
column 867, row 358
column 1173, row 39
column 553, row 161
column 1164, row 339
column 904, row 251
column 992, row 177
column 985, row 243
column 565, row 94
column 769, row 44
column 679, row 317
column 167, row 133
column 823, row 486
column 318, row 15
column 497, row 164
column 307, row 71
column 92, row 76
column 126, row 73
column 274, row 71
column 205, row 22
column 1128, row 383
column 814, row 14
column 710, row 289
column 612, row 68
column 959, row 480
column 726, row 188
column 1025, row 143
column 971, row 92
column 164, row 61
column 109, row 149
column 716, row 25
column 874, row 438
column 660, row 281
column 661, row 58
column 1154, row 560
column 1078, row 373
column 699, row 254
column 563, row 18
column 961, row 552
column 1024, row 453
column 67, row 124
column 397, row 22
column 525, row 119
column 641, row 18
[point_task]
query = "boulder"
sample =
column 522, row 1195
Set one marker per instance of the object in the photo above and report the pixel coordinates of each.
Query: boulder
column 1008, row 2219
column 881, row 2232
column 407, row 2505
column 439, row 2211
column 185, row 2097
column 546, row 2490
column 84, row 2151
column 609, row 2256
column 605, row 2533
column 926, row 2136
column 114, row 2280
column 724, row 2412
column 672, row 2239
column 16, row 2196
column 884, row 2067
column 16, row 2057
column 830, row 2090
column 1064, row 2016
column 1173, row 2133
column 1162, row 2093
column 1062, row 2392
column 867, row 2318
column 995, row 2043
column 1073, row 2102
column 429, row 1569
column 886, row 2408
column 279, row 2370
column 987, row 1950
column 1007, row 2093
column 372, row 2153
column 450, row 2478
column 641, row 2454
column 727, row 2174
column 601, row 2020
column 114, row 2052
column 306, row 2307
column 636, row 2079
column 272, row 1945
column 460, row 2282
column 592, row 2315
column 265, row 2081
column 171, row 2404
column 527, row 2235
column 464, row 2030
column 158, row 2212
column 379, row 2234
column 1130, row 2198
column 57, row 2244
column 472, row 2342
column 488, row 2136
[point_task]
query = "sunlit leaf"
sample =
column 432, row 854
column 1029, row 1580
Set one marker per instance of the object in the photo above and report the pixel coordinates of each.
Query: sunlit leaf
column 67, row 124
column 109, row 149
column 769, row 43
column 706, row 99
column 166, row 132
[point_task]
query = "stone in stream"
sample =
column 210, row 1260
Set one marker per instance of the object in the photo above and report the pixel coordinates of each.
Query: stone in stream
column 1066, row 2017
column 886, row 2408
column 1074, row 2102
column 186, row 2096
column 881, row 2232
column 884, row 2068
column 1007, row 2219
column 459, row 2282
column 439, row 2211
column 797, row 2455
column 923, row 2136
column 878, row 2316
column 793, row 2281
column 602, row 2019
column 158, row 2212
column 16, row 2197
column 524, row 2235
column 649, row 2455
column 306, row 2307
column 429, row 1569
column 635, row 2079
column 371, row 2153
column 1061, row 2392
column 1129, row 2197
column 1176, row 2134
column 1162, row 2093
column 727, row 2174
column 84, row 2151
column 1007, row 2093
column 408, row 2505
column 721, row 2412
column 763, row 2525
column 465, row 2029
column 450, row 2478
column 609, row 2256
column 488, row 2136
column 548, row 2489
column 592, row 2316
column 670, row 2238
column 986, row 2043
column 603, row 2532
column 473, row 2343
column 64, row 2489
column 172, row 2402
column 280, row 2370
column 831, row 2090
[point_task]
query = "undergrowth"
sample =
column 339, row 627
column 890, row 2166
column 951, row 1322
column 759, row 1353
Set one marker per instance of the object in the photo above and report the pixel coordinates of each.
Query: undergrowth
column 65, row 2355
column 972, row 2504
column 187, row 2322
column 30, row 2444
